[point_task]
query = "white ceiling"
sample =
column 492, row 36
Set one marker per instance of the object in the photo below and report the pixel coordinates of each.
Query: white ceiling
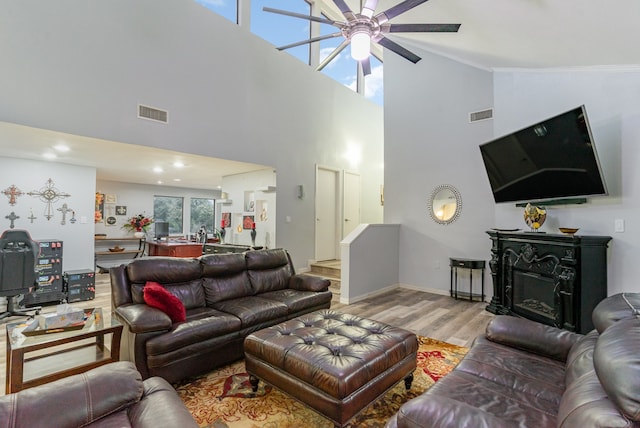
column 527, row 33
column 118, row 161
column 494, row 34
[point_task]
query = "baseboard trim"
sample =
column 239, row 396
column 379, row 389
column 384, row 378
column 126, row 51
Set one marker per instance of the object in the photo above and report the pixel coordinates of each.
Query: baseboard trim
column 345, row 301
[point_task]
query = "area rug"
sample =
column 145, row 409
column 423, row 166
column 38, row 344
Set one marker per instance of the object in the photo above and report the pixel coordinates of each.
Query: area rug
column 224, row 399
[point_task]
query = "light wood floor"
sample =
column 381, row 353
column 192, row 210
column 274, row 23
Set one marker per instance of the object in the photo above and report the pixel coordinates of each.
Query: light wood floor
column 436, row 316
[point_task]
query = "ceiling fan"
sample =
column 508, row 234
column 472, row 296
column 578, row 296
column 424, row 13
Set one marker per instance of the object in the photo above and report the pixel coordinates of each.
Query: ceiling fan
column 360, row 29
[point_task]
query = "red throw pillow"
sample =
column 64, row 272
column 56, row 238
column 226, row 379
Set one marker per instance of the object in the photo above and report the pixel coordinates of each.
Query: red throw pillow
column 156, row 296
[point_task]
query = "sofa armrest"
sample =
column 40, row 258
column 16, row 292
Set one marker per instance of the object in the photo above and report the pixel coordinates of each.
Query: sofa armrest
column 304, row 282
column 160, row 407
column 531, row 336
column 76, row 400
column 140, row 318
column 442, row 412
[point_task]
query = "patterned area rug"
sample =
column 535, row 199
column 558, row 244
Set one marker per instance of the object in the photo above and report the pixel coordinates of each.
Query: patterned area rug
column 224, row 399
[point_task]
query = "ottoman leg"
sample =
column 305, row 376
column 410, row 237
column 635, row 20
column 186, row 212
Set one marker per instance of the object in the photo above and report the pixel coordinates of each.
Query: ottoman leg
column 408, row 381
column 254, row 381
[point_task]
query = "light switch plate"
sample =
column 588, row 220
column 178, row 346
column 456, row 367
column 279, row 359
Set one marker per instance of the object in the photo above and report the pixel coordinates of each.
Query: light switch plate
column 618, row 225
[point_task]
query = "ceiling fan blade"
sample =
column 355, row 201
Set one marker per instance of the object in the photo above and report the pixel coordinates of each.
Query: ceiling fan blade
column 311, row 40
column 369, row 8
column 346, row 11
column 396, row 10
column 366, row 66
column 299, row 15
column 333, row 54
column 420, row 28
column 393, row 46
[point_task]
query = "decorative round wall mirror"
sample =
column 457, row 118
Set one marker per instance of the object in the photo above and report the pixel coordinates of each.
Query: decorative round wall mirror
column 445, row 204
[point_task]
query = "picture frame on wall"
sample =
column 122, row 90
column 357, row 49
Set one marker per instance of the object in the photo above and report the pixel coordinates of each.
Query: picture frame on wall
column 121, row 210
column 247, row 222
column 226, row 219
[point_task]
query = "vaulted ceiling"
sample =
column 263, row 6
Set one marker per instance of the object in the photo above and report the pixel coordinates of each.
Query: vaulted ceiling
column 527, row 33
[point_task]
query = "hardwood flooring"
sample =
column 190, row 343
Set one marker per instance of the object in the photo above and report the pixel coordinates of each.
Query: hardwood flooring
column 432, row 315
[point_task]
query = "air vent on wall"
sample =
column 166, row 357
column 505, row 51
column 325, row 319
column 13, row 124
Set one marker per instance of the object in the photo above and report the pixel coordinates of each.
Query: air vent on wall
column 151, row 113
column 481, row 115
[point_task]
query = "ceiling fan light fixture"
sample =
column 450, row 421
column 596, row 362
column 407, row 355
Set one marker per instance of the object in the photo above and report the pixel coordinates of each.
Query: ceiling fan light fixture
column 360, row 45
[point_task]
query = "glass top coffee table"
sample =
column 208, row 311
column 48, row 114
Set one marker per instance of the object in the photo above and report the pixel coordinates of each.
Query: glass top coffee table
column 43, row 356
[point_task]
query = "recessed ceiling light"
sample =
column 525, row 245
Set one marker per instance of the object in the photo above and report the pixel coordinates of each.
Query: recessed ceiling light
column 219, row 187
column 157, row 169
column 178, row 164
column 177, row 179
column 49, row 155
column 61, row 147
column 159, row 182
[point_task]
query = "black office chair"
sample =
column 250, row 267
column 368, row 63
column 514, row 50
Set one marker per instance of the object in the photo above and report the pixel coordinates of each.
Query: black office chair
column 18, row 253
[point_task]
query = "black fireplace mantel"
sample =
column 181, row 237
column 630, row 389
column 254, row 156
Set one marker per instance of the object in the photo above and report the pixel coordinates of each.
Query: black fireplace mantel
column 553, row 279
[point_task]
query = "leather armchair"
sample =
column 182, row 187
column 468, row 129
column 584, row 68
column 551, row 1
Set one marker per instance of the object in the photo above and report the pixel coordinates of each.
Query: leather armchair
column 112, row 395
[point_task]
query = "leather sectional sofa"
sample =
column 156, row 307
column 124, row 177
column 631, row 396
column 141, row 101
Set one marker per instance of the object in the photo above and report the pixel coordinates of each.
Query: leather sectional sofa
column 113, row 395
column 525, row 374
column 226, row 296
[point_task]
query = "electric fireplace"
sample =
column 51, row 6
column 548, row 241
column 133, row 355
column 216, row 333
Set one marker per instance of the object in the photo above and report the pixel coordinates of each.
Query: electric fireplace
column 553, row 279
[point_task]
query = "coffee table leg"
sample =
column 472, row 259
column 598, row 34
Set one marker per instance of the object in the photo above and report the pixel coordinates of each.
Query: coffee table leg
column 408, row 381
column 254, row 381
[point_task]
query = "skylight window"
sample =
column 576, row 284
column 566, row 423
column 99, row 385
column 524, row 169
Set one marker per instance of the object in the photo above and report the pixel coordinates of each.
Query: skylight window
column 226, row 8
column 281, row 30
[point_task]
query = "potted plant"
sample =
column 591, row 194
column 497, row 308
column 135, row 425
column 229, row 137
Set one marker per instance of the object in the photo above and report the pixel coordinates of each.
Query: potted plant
column 139, row 224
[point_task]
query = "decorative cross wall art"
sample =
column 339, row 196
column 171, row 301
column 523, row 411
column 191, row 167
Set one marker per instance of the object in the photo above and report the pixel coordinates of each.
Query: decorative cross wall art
column 12, row 218
column 49, row 194
column 12, row 192
column 64, row 210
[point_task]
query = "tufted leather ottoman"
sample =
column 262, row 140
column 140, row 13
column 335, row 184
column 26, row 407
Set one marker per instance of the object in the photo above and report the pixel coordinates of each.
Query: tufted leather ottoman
column 335, row 363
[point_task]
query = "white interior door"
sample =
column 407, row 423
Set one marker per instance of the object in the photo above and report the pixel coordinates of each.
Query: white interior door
column 327, row 214
column 350, row 202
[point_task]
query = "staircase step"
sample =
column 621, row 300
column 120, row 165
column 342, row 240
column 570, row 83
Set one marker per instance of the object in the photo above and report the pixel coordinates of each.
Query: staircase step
column 329, row 269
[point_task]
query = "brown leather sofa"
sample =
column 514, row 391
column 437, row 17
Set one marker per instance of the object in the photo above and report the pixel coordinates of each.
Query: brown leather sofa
column 113, row 395
column 226, row 296
column 525, row 374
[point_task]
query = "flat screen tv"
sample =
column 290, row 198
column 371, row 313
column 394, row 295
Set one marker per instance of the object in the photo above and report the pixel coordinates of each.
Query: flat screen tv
column 552, row 159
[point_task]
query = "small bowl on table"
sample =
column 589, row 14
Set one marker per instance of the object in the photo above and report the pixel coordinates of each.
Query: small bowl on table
column 568, row 230
column 116, row 249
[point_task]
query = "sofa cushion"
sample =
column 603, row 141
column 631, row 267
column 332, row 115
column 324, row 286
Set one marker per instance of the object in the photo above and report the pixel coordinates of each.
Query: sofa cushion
column 165, row 270
column 156, row 296
column 515, row 408
column 526, row 374
column 181, row 276
column 298, row 301
column 268, row 270
column 614, row 308
column 217, row 324
column 224, row 277
column 616, row 360
column 252, row 310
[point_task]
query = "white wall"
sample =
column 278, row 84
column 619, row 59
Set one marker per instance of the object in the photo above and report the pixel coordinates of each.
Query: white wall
column 78, row 182
column 612, row 100
column 229, row 94
column 429, row 142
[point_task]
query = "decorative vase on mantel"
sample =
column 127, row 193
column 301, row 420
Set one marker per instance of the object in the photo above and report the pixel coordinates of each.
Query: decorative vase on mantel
column 534, row 217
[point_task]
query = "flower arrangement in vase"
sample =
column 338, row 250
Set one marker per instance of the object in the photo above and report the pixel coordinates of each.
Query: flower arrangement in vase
column 139, row 224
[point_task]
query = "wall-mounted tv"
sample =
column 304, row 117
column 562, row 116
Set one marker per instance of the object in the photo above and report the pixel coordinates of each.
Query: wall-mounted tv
column 553, row 159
